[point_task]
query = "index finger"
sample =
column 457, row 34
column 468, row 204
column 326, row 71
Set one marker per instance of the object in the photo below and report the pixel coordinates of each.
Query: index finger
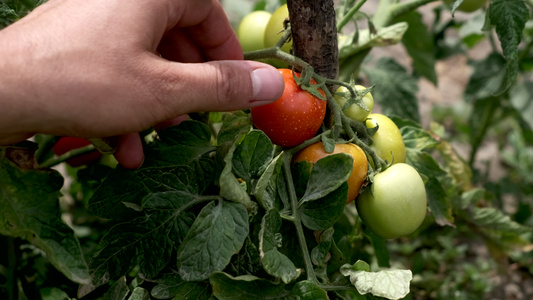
column 208, row 27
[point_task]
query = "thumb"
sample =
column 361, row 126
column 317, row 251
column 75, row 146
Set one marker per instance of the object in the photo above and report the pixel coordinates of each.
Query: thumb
column 218, row 86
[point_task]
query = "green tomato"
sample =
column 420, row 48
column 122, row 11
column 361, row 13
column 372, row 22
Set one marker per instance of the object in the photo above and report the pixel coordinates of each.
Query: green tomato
column 355, row 111
column 467, row 5
column 275, row 27
column 251, row 30
column 387, row 141
column 395, row 204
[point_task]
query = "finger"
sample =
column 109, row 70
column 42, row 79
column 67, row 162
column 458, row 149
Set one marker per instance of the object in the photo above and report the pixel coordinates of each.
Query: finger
column 130, row 153
column 208, row 28
column 214, row 86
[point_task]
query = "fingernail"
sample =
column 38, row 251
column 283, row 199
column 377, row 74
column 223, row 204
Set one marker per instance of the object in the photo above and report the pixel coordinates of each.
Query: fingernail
column 268, row 84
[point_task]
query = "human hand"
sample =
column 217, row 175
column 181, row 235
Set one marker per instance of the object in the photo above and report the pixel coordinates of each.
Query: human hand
column 105, row 68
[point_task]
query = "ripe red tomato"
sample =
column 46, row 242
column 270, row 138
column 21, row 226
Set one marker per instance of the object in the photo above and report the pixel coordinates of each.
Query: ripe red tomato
column 66, row 144
column 295, row 117
column 316, row 151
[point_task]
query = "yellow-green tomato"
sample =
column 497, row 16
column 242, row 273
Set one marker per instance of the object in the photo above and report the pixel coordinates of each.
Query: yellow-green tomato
column 275, row 27
column 387, row 141
column 251, row 30
column 354, row 111
column 395, row 205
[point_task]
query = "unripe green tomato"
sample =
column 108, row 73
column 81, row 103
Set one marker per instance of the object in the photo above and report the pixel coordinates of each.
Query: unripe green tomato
column 395, row 205
column 355, row 111
column 251, row 30
column 275, row 27
column 387, row 141
column 467, row 5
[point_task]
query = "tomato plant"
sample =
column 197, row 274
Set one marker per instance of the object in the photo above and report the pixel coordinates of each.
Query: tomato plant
column 316, row 151
column 387, row 141
column 66, row 144
column 251, row 30
column 217, row 211
column 354, row 110
column 295, row 117
column 395, row 204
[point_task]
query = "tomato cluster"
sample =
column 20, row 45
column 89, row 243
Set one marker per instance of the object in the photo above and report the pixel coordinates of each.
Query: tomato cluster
column 393, row 203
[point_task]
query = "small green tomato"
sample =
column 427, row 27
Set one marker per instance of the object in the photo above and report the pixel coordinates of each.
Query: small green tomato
column 355, row 111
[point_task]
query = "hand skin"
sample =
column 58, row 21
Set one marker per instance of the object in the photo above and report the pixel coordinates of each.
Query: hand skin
column 105, row 68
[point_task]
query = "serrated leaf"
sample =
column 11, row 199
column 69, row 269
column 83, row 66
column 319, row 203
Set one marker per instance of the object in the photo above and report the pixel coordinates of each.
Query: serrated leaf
column 307, row 290
column 323, row 213
column 390, row 284
column 227, row 287
column 509, row 17
column 494, row 219
column 274, row 262
column 217, row 234
column 29, row 209
column 327, row 175
column 161, row 188
column 252, row 155
column 141, row 242
column 172, row 286
column 395, row 89
column 179, row 145
column 420, row 45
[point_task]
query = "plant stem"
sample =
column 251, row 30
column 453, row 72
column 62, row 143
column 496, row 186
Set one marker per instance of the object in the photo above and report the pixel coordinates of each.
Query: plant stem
column 349, row 15
column 297, row 220
column 71, row 154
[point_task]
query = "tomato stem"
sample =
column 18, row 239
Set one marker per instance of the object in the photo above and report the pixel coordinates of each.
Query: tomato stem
column 311, row 276
column 64, row 157
column 349, row 15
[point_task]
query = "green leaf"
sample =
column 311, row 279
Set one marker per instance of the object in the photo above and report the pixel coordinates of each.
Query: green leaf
column 417, row 138
column 327, row 175
column 380, row 247
column 246, row 287
column 179, row 145
column 266, row 187
column 252, row 155
column 172, row 286
column 486, row 78
column 141, row 242
column 139, row 293
column 521, row 100
column 319, row 254
column 29, row 209
column 390, row 284
column 234, row 126
column 307, row 290
column 323, row 213
column 420, row 45
column 217, row 234
column 274, row 262
column 395, row 89
column 385, row 36
column 471, row 31
column 230, row 188
column 118, row 291
column 161, row 188
column 438, row 202
column 509, row 17
column 494, row 219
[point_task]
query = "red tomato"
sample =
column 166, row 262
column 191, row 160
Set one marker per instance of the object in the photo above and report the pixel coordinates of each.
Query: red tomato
column 66, row 144
column 295, row 117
